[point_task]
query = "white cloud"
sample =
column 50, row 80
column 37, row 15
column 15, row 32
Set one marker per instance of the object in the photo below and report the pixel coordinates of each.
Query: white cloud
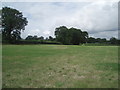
column 98, row 18
column 56, row 0
column 46, row 32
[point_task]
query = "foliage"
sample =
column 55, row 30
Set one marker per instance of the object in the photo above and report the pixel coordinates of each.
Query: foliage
column 91, row 40
column 51, row 38
column 113, row 40
column 29, row 37
column 70, row 36
column 103, row 41
column 12, row 24
column 37, row 42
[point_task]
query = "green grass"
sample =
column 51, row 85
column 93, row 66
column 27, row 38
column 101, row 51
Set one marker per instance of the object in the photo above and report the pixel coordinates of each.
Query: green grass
column 60, row 66
column 99, row 44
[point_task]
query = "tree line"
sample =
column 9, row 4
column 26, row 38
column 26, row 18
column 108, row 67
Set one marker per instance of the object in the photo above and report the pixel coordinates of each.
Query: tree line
column 62, row 38
column 13, row 22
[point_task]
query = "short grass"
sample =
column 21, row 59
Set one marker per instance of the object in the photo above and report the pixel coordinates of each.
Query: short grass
column 60, row 66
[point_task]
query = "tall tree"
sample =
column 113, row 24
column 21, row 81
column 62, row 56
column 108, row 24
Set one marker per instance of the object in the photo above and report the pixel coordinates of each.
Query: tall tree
column 70, row 36
column 75, row 36
column 62, row 34
column 12, row 24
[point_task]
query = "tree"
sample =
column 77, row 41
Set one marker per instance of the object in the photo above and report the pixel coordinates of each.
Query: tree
column 101, row 40
column 84, row 37
column 62, row 34
column 41, row 38
column 35, row 37
column 12, row 24
column 91, row 40
column 70, row 36
column 75, row 36
column 113, row 40
column 29, row 37
column 51, row 38
column 46, row 39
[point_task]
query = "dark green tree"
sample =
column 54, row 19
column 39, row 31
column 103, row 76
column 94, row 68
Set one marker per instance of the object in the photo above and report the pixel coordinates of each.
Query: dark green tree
column 12, row 24
column 113, row 40
column 51, row 38
column 84, row 37
column 41, row 38
column 70, row 36
column 75, row 36
column 101, row 40
column 91, row 40
column 29, row 37
column 35, row 37
column 62, row 34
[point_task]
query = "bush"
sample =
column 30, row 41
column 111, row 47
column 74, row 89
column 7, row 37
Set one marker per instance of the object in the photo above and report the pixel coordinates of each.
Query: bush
column 37, row 42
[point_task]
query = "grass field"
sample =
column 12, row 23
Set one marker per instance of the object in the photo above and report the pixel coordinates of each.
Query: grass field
column 60, row 66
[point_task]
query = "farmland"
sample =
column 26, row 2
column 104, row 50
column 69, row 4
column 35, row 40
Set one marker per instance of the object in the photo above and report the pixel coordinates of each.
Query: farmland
column 59, row 66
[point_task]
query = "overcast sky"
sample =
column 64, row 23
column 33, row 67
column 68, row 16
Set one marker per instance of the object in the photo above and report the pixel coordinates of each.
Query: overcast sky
column 99, row 19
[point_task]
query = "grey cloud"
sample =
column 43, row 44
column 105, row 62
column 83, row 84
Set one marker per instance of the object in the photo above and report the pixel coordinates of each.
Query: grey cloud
column 99, row 31
column 98, row 18
column 106, row 34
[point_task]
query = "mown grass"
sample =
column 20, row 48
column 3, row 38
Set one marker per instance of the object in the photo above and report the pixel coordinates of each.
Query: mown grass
column 60, row 66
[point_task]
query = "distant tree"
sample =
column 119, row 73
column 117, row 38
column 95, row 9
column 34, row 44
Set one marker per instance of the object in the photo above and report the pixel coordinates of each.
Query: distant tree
column 12, row 24
column 113, row 40
column 91, row 40
column 84, row 37
column 51, row 38
column 118, row 42
column 46, row 38
column 103, row 40
column 100, row 40
column 41, row 38
column 29, row 37
column 70, row 36
column 75, row 36
column 62, row 34
column 35, row 37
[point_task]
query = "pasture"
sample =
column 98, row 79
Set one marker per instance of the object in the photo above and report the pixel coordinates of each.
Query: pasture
column 59, row 66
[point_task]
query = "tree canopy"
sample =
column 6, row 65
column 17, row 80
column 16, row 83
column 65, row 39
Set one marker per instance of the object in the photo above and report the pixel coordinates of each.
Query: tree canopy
column 12, row 24
column 70, row 36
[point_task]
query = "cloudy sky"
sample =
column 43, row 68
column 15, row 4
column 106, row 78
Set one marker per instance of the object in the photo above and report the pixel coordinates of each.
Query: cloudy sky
column 99, row 19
